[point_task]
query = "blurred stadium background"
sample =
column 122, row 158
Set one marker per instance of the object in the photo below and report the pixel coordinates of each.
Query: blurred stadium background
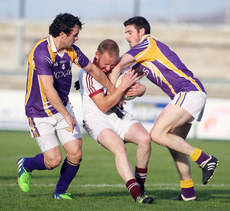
column 197, row 30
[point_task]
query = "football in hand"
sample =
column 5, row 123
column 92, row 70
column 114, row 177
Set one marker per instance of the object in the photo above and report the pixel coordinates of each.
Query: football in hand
column 125, row 97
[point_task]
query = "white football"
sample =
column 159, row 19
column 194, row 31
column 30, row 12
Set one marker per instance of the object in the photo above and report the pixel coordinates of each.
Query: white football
column 125, row 97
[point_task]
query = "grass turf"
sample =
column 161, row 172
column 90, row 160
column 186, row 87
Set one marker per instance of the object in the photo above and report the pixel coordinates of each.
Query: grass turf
column 98, row 186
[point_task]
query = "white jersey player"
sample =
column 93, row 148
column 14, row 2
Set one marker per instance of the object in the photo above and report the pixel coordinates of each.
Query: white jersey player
column 110, row 126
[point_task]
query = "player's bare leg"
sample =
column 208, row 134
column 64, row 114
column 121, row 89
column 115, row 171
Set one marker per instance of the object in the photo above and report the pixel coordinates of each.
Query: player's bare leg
column 73, row 150
column 168, row 121
column 183, row 167
column 186, row 183
column 112, row 142
column 139, row 136
column 170, row 130
column 180, row 159
column 164, row 133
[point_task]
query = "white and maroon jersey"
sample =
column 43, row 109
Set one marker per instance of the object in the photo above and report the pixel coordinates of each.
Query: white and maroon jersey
column 45, row 60
column 89, row 87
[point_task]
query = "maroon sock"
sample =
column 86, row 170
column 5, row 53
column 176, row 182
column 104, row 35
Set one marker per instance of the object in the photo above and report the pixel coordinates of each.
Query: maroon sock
column 134, row 188
column 140, row 175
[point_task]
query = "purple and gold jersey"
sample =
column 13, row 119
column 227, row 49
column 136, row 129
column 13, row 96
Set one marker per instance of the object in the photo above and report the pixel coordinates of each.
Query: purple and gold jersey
column 163, row 67
column 45, row 60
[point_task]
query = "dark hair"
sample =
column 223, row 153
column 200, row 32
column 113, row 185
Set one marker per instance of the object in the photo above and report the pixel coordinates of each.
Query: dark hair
column 64, row 23
column 109, row 46
column 139, row 22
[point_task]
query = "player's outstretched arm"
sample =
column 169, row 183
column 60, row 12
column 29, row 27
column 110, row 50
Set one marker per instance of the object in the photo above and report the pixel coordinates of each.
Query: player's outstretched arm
column 125, row 61
column 96, row 73
column 137, row 89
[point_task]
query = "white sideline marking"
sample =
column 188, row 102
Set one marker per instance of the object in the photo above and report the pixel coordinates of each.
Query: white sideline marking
column 163, row 186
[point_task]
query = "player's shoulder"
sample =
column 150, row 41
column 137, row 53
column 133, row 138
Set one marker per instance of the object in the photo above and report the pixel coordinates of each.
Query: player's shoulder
column 42, row 54
column 42, row 44
column 41, row 49
column 76, row 48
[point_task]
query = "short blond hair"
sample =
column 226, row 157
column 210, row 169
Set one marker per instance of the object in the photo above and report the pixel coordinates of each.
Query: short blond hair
column 109, row 46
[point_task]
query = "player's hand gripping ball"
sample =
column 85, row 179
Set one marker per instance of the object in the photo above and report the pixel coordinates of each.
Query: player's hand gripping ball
column 125, row 97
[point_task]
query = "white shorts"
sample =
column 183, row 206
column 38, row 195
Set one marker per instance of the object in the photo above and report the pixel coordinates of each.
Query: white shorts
column 96, row 124
column 46, row 130
column 193, row 102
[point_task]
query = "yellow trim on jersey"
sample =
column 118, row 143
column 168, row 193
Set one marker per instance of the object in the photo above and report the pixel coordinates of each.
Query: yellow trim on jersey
column 31, row 70
column 157, row 72
column 29, row 83
column 44, row 100
column 149, row 54
column 162, row 59
column 152, row 53
column 73, row 55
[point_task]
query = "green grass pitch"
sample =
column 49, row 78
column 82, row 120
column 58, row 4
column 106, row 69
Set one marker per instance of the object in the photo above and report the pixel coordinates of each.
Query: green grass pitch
column 98, row 186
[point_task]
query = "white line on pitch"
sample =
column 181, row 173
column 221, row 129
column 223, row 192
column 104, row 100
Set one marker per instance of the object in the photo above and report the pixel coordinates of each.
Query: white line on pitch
column 122, row 185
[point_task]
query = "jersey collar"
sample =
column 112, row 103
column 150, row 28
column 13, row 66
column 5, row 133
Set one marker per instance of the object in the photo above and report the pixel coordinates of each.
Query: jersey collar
column 94, row 61
column 51, row 44
column 144, row 37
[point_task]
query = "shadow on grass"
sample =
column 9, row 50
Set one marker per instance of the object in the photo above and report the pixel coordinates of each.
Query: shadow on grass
column 203, row 195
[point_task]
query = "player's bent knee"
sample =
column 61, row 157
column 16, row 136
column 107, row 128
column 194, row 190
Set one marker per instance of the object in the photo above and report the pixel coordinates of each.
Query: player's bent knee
column 145, row 142
column 157, row 138
column 75, row 157
column 147, row 139
column 53, row 163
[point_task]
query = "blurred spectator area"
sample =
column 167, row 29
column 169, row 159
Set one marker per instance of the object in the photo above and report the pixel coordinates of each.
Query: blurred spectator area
column 201, row 40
